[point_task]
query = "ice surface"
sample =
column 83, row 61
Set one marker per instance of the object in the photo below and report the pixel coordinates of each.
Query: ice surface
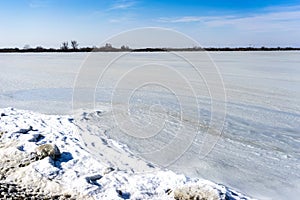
column 258, row 152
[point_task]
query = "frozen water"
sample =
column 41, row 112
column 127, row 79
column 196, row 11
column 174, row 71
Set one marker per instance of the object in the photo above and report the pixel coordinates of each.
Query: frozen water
column 258, row 152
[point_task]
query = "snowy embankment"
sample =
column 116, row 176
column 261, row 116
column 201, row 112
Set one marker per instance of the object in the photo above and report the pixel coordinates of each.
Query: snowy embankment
column 44, row 155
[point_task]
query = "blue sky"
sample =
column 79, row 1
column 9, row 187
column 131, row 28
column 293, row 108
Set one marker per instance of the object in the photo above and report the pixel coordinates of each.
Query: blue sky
column 215, row 23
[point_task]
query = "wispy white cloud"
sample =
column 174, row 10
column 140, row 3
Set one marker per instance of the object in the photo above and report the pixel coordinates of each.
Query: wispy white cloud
column 184, row 19
column 287, row 18
column 122, row 4
column 282, row 8
column 119, row 20
column 38, row 3
column 188, row 19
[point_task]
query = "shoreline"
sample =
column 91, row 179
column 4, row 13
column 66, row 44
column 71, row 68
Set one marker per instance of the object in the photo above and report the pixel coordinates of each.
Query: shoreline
column 112, row 49
column 76, row 171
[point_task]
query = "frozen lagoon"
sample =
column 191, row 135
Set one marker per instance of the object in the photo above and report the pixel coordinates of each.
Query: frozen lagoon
column 258, row 152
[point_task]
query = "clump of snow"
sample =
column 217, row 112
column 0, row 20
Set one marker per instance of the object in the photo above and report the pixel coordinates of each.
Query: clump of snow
column 76, row 171
column 198, row 191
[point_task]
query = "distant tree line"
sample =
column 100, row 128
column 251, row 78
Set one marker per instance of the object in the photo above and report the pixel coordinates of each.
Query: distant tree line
column 74, row 47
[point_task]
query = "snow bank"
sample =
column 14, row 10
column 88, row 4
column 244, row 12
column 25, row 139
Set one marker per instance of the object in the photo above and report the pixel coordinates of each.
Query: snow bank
column 75, row 170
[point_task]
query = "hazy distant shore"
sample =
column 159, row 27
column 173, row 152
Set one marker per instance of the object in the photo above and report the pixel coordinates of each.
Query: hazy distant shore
column 112, row 49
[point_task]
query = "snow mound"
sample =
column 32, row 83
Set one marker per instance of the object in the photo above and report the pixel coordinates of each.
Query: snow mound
column 74, row 170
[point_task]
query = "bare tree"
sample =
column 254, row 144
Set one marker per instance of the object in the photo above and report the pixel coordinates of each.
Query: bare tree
column 124, row 48
column 26, row 46
column 74, row 44
column 108, row 46
column 65, row 46
column 39, row 48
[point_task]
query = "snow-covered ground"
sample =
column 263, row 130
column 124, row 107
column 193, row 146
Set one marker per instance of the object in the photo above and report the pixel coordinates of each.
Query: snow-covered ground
column 75, row 171
column 258, row 152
